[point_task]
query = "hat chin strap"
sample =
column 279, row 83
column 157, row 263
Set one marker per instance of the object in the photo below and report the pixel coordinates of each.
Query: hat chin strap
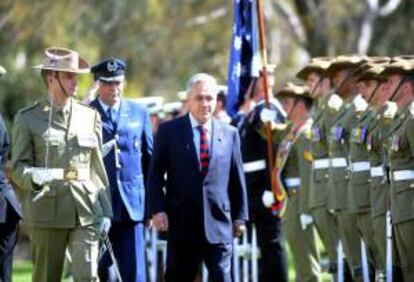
column 396, row 89
column 374, row 92
column 61, row 86
column 347, row 77
column 295, row 103
column 316, row 86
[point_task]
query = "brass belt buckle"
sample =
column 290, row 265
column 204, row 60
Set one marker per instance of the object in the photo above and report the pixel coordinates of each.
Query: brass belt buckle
column 71, row 173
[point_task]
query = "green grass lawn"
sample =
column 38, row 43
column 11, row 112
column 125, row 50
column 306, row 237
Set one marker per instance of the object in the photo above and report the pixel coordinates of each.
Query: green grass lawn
column 22, row 271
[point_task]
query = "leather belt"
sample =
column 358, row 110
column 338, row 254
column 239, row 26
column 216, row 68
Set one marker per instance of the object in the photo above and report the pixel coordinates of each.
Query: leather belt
column 321, row 164
column 399, row 175
column 254, row 166
column 360, row 166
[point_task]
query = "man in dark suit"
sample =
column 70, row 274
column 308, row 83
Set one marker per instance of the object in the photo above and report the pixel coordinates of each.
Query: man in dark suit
column 127, row 138
column 10, row 211
column 205, row 202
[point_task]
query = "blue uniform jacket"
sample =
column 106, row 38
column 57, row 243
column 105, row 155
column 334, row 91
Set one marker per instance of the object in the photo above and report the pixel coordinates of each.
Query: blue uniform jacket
column 127, row 162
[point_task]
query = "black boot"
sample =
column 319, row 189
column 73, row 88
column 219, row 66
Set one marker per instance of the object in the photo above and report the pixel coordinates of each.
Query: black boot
column 397, row 274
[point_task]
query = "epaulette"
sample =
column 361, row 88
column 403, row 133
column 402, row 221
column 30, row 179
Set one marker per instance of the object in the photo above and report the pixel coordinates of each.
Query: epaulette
column 28, row 108
column 334, row 102
column 360, row 104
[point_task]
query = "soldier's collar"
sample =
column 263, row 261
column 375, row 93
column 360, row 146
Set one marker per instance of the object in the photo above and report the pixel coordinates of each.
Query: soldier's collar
column 46, row 105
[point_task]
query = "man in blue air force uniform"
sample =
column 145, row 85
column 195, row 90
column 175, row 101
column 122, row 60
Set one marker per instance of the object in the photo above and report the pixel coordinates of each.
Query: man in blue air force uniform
column 127, row 139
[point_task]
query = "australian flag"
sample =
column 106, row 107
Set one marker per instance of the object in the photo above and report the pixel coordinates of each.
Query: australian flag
column 244, row 61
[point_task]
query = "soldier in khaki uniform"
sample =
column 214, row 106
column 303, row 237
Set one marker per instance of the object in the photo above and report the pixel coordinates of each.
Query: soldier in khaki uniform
column 320, row 87
column 57, row 165
column 401, row 162
column 293, row 167
column 376, row 135
column 360, row 173
column 342, row 112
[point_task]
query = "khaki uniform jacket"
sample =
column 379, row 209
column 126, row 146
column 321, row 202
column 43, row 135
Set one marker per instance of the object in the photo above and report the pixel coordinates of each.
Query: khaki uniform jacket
column 74, row 142
column 318, row 146
column 401, row 158
column 376, row 145
column 297, row 166
column 338, row 140
column 360, row 172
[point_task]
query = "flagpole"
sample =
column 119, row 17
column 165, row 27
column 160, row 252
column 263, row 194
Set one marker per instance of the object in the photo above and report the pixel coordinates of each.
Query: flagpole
column 268, row 129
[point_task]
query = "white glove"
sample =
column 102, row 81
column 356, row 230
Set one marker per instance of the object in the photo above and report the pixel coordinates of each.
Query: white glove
column 360, row 104
column 42, row 176
column 105, row 225
column 390, row 109
column 305, row 220
column 335, row 102
column 107, row 147
column 268, row 199
column 267, row 115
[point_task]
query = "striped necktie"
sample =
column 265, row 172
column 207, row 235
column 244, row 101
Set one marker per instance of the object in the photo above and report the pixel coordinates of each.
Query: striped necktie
column 204, row 151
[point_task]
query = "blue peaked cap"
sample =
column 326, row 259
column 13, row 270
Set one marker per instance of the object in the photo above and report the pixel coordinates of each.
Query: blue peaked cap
column 111, row 69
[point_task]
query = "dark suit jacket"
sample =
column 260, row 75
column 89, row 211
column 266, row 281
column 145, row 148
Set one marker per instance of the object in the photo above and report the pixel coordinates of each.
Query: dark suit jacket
column 7, row 196
column 198, row 208
column 133, row 135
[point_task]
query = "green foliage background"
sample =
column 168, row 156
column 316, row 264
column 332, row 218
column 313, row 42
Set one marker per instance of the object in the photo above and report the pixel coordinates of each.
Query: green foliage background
column 164, row 42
